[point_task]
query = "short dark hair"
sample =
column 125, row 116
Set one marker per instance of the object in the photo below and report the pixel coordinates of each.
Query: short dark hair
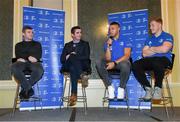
column 73, row 29
column 26, row 27
column 115, row 23
column 158, row 20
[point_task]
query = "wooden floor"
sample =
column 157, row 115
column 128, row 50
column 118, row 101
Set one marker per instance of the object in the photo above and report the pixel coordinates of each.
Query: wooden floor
column 93, row 114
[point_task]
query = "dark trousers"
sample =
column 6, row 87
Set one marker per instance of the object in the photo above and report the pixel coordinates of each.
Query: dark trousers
column 19, row 70
column 123, row 67
column 75, row 67
column 155, row 64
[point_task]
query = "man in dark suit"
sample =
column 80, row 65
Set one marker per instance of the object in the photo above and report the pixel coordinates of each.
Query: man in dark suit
column 75, row 59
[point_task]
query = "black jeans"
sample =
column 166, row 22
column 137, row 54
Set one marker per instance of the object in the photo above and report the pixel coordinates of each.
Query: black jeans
column 18, row 71
column 124, row 68
column 155, row 64
column 75, row 67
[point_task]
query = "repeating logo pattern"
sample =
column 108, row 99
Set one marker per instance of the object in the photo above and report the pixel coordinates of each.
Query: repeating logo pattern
column 134, row 26
column 48, row 28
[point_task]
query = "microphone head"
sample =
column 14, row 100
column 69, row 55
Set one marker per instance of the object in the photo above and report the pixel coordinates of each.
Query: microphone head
column 109, row 36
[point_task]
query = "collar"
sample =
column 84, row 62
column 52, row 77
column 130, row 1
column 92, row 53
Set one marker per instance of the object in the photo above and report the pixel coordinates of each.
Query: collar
column 116, row 39
column 159, row 34
column 76, row 41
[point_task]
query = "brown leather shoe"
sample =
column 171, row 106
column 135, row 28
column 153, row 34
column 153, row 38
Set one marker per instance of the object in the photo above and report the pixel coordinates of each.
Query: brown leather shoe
column 73, row 99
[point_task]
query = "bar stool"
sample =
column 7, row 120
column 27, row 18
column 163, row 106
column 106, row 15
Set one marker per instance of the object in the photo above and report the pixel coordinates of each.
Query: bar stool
column 35, row 98
column 166, row 98
column 114, row 74
column 80, row 98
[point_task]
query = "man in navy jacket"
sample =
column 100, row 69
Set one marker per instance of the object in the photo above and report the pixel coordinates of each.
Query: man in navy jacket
column 75, row 59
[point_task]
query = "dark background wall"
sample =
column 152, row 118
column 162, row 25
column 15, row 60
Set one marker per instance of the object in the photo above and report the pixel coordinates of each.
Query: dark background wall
column 92, row 17
column 6, row 38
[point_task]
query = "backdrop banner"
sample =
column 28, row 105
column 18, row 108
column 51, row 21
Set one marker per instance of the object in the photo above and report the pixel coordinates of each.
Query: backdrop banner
column 48, row 26
column 134, row 26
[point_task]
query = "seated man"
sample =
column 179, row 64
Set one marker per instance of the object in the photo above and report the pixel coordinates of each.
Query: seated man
column 117, row 54
column 28, row 54
column 75, row 59
column 157, row 57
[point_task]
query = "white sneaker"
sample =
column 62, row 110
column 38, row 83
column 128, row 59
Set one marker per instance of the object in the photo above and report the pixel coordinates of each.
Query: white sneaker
column 111, row 92
column 148, row 94
column 120, row 94
column 157, row 93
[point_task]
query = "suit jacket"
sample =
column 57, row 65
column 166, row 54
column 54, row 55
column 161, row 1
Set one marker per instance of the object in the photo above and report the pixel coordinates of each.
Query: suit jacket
column 82, row 50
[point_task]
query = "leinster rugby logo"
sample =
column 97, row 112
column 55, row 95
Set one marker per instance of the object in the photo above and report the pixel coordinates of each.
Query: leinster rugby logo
column 161, row 40
column 121, row 43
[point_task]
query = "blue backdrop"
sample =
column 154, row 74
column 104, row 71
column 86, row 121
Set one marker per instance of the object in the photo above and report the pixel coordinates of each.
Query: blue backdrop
column 48, row 28
column 134, row 26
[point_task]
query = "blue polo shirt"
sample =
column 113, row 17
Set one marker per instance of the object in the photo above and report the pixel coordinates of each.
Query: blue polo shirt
column 158, row 41
column 117, row 50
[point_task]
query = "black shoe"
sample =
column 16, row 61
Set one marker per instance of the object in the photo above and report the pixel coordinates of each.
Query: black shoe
column 23, row 94
column 30, row 92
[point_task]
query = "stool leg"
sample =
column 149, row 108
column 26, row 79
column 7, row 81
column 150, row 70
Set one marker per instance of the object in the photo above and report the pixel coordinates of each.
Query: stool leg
column 108, row 105
column 35, row 108
column 108, row 102
column 69, row 94
column 139, row 105
column 151, row 105
column 169, row 95
column 64, row 88
column 15, row 99
column 127, row 102
column 164, row 103
column 151, row 82
column 40, row 99
column 85, row 97
column 104, row 98
column 84, row 100
column 41, row 104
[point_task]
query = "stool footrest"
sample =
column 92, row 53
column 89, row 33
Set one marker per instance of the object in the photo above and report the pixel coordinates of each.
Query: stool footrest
column 144, row 100
column 150, row 100
column 106, row 99
column 31, row 99
column 79, row 99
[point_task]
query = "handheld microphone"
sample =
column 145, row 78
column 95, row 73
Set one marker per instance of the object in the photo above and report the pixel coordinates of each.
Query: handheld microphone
column 110, row 37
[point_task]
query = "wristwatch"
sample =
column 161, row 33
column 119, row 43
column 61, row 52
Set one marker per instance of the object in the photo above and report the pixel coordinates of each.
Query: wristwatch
column 115, row 63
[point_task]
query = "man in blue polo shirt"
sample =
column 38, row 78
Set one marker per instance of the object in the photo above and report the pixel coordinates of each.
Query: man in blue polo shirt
column 157, row 57
column 117, row 53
